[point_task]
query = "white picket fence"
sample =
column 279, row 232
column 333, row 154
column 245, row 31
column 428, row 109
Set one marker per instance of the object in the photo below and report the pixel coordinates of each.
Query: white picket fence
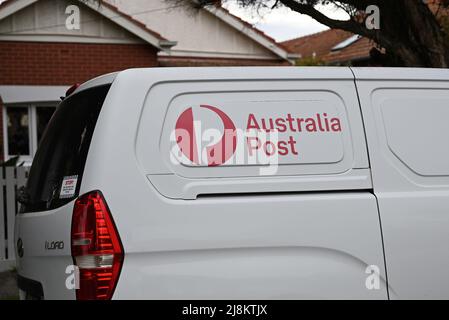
column 11, row 179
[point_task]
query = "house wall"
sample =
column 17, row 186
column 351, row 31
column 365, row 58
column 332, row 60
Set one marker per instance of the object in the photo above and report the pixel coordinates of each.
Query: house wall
column 217, row 62
column 46, row 20
column 37, row 63
column 198, row 33
column 1, row 130
column 40, row 63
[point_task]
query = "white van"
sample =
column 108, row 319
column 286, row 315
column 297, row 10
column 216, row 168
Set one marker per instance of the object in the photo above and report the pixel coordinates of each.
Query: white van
column 242, row 183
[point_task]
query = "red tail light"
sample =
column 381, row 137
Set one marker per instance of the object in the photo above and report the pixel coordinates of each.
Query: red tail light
column 96, row 248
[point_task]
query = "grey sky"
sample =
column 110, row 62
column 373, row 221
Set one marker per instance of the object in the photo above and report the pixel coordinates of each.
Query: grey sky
column 283, row 24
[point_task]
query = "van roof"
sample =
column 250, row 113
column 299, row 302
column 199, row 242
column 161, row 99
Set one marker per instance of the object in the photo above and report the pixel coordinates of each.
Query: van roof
column 312, row 73
column 98, row 81
column 379, row 73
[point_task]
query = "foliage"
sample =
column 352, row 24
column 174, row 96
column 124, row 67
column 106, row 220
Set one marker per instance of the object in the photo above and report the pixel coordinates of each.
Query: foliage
column 309, row 61
column 410, row 31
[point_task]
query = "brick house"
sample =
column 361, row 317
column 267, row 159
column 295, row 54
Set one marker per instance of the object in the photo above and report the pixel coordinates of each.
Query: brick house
column 212, row 38
column 333, row 47
column 40, row 57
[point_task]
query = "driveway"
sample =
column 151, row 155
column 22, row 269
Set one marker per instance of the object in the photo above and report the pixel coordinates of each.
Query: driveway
column 8, row 286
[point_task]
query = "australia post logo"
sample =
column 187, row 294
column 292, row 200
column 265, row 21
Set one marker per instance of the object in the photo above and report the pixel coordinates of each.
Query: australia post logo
column 217, row 152
column 205, row 135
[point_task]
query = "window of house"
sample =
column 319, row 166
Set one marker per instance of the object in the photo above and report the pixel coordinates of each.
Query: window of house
column 18, row 131
column 24, row 126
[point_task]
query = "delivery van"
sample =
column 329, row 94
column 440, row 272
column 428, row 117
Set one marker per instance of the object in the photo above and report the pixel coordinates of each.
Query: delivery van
column 241, row 183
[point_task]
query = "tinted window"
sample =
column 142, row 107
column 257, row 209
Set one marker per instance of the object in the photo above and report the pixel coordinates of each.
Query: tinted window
column 43, row 116
column 62, row 153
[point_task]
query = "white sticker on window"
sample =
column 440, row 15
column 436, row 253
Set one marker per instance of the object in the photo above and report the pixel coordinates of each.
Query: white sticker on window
column 68, row 187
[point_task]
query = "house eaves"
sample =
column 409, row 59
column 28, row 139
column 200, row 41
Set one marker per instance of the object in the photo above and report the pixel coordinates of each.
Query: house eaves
column 252, row 32
column 106, row 10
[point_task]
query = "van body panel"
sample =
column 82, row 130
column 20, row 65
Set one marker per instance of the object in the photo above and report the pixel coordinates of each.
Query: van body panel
column 407, row 134
column 46, row 250
column 270, row 95
column 213, row 244
column 316, row 227
column 176, row 187
column 229, row 245
column 43, row 224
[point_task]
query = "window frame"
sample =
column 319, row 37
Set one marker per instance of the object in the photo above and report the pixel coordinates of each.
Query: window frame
column 32, row 128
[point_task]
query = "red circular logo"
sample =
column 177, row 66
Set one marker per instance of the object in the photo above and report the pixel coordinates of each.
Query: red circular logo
column 218, row 153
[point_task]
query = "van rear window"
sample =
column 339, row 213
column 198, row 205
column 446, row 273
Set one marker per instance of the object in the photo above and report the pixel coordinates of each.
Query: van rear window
column 58, row 165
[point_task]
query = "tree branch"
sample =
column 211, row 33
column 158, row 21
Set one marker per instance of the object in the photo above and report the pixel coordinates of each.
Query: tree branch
column 348, row 25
